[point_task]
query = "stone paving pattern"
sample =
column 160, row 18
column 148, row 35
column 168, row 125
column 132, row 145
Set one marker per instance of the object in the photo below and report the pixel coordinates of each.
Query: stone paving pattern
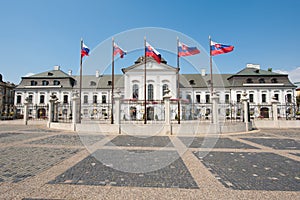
column 208, row 142
column 254, row 171
column 41, row 163
column 91, row 171
column 141, row 141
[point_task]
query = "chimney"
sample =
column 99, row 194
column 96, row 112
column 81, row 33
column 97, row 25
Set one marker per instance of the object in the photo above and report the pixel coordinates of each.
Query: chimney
column 256, row 66
column 70, row 72
column 202, row 72
column 97, row 73
column 56, row 67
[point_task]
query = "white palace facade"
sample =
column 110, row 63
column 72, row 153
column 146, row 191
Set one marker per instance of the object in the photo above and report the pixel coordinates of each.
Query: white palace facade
column 262, row 87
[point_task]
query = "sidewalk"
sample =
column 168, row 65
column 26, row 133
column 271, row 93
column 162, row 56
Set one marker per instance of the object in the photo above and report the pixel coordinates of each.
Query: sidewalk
column 41, row 163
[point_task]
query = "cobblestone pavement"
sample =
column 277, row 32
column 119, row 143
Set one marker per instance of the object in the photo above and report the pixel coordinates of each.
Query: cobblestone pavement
column 41, row 163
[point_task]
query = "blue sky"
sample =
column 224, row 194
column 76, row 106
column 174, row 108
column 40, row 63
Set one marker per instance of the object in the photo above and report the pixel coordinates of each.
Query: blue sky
column 38, row 34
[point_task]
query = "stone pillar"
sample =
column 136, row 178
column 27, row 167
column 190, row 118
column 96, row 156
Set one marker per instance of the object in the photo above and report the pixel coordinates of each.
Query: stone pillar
column 274, row 108
column 215, row 113
column 117, row 107
column 245, row 110
column 51, row 113
column 75, row 110
column 167, row 98
column 25, row 119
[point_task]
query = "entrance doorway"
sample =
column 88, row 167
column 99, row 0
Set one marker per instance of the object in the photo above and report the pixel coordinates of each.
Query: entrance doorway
column 150, row 113
column 264, row 112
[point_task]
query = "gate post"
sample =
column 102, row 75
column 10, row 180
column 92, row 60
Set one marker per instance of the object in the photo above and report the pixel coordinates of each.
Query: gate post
column 274, row 108
column 75, row 113
column 117, row 107
column 51, row 113
column 166, row 99
column 25, row 119
column 215, row 101
column 245, row 110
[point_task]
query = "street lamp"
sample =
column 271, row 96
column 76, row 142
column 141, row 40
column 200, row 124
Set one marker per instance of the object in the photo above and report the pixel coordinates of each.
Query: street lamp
column 192, row 83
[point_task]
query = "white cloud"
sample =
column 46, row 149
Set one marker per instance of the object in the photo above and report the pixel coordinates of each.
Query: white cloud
column 294, row 75
column 29, row 74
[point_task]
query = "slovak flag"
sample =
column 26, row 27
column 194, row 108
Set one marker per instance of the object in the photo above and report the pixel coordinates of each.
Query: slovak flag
column 118, row 50
column 84, row 50
column 151, row 52
column 184, row 50
column 217, row 48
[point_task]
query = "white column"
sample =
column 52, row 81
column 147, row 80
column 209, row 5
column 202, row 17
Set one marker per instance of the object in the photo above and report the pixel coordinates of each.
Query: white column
column 274, row 109
column 117, row 107
column 215, row 101
column 167, row 98
column 25, row 119
column 245, row 110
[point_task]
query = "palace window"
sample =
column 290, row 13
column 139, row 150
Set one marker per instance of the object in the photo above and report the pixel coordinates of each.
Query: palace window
column 274, row 80
column 261, row 80
column 150, row 92
column 42, row 99
column 94, row 98
column 66, row 97
column 135, row 91
column 251, row 98
column 44, row 82
column 276, row 96
column 263, row 98
column 226, row 98
column 56, row 82
column 238, row 98
column 19, row 99
column 103, row 98
column 198, row 98
column 164, row 88
column 85, row 99
column 207, row 98
column 289, row 98
column 249, row 80
column 33, row 83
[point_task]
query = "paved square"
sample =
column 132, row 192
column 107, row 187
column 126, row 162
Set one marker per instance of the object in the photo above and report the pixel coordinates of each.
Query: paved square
column 72, row 140
column 209, row 142
column 141, row 141
column 276, row 143
column 18, row 163
column 16, row 137
column 91, row 171
column 253, row 171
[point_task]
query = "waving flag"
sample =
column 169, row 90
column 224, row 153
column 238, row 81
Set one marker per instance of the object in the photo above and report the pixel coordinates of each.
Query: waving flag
column 151, row 52
column 84, row 50
column 217, row 48
column 119, row 50
column 184, row 50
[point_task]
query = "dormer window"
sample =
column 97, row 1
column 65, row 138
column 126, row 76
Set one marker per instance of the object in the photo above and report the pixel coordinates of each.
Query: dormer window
column 92, row 83
column 50, row 74
column 56, row 82
column 261, row 80
column 249, row 80
column 33, row 83
column 109, row 83
column 44, row 82
column 274, row 80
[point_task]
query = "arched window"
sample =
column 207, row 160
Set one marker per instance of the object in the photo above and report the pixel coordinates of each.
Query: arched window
column 135, row 91
column 261, row 80
column 66, row 97
column 42, row 99
column 44, row 82
column 94, row 98
column 150, row 92
column 164, row 88
column 249, row 80
column 274, row 80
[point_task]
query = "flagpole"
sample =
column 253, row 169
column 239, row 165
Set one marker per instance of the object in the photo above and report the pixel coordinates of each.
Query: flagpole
column 80, row 80
column 210, row 65
column 145, row 84
column 112, row 81
column 211, row 75
column 178, row 84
